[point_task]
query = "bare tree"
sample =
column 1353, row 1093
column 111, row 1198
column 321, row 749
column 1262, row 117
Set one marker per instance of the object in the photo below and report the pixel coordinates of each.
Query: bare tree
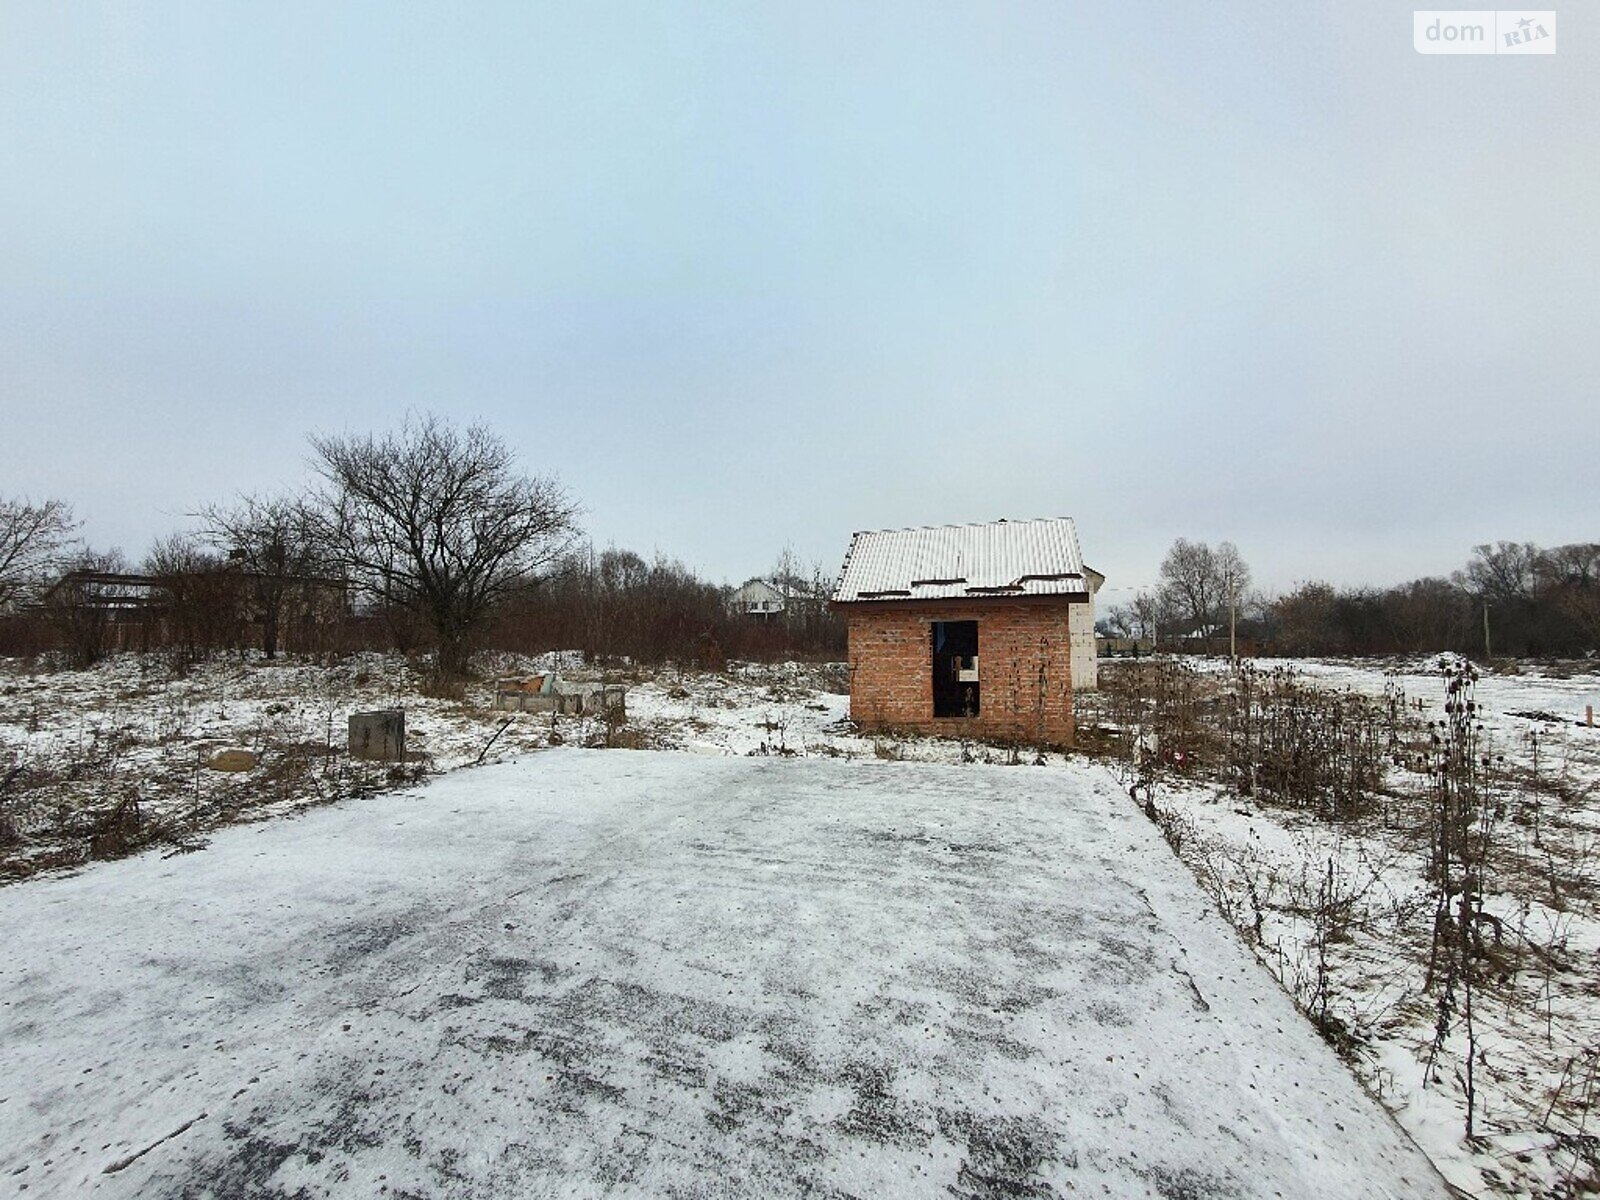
column 1198, row 582
column 1569, row 579
column 1501, row 577
column 83, row 603
column 1502, row 572
column 1233, row 570
column 437, row 521
column 622, row 570
column 1140, row 617
column 35, row 540
column 1189, row 583
column 1119, row 622
column 203, row 600
column 1150, row 613
column 1428, row 614
column 1305, row 619
column 274, row 540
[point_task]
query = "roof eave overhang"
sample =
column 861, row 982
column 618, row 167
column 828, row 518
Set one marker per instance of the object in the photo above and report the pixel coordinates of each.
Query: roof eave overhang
column 1035, row 600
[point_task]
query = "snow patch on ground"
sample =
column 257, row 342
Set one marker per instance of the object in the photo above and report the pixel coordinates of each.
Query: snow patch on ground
column 161, row 726
column 588, row 973
column 1539, row 1025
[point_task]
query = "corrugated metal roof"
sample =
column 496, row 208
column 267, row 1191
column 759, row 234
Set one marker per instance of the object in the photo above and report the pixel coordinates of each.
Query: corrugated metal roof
column 939, row 562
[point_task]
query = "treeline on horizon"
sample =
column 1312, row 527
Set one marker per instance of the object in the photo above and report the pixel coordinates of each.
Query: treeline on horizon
column 613, row 605
column 431, row 539
column 1510, row 600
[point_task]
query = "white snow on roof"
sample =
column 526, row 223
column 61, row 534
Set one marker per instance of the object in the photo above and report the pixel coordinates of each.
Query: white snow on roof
column 936, row 562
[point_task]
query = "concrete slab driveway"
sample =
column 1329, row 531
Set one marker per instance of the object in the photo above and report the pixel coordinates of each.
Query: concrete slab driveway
column 633, row 974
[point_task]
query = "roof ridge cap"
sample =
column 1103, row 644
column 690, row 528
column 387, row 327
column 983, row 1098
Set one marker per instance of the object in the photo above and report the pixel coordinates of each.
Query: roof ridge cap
column 965, row 525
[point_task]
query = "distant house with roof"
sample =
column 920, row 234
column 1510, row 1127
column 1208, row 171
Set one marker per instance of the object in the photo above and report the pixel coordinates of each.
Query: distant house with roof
column 985, row 629
column 760, row 598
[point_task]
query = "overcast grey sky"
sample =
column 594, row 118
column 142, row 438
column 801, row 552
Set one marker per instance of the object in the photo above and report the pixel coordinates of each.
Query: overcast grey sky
column 754, row 274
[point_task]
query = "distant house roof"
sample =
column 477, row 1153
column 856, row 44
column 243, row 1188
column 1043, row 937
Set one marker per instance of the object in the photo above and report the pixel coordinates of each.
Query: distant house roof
column 761, row 589
column 107, row 590
column 939, row 562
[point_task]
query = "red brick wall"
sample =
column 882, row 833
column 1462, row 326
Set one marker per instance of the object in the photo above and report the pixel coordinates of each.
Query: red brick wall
column 1024, row 669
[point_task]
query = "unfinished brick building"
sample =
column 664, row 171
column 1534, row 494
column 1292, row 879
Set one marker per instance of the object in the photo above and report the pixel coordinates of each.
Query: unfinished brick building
column 981, row 630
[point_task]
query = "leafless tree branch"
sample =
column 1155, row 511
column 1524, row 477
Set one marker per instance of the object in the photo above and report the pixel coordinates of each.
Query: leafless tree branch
column 438, row 522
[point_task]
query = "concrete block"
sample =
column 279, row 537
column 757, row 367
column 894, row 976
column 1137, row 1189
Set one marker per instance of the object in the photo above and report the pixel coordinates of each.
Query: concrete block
column 568, row 699
column 379, row 735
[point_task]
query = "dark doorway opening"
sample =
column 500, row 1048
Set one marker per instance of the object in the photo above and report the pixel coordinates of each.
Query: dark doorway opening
column 955, row 668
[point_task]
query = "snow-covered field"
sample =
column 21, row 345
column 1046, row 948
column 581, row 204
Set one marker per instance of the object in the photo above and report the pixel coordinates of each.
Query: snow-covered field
column 654, row 974
column 1275, row 871
column 72, row 743
column 76, row 744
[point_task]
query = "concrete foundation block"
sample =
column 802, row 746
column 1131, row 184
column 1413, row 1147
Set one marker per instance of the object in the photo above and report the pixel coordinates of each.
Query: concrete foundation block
column 378, row 735
column 568, row 699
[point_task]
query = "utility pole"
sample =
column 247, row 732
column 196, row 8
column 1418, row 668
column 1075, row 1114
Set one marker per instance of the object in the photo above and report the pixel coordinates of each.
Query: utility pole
column 1487, row 656
column 1233, row 622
